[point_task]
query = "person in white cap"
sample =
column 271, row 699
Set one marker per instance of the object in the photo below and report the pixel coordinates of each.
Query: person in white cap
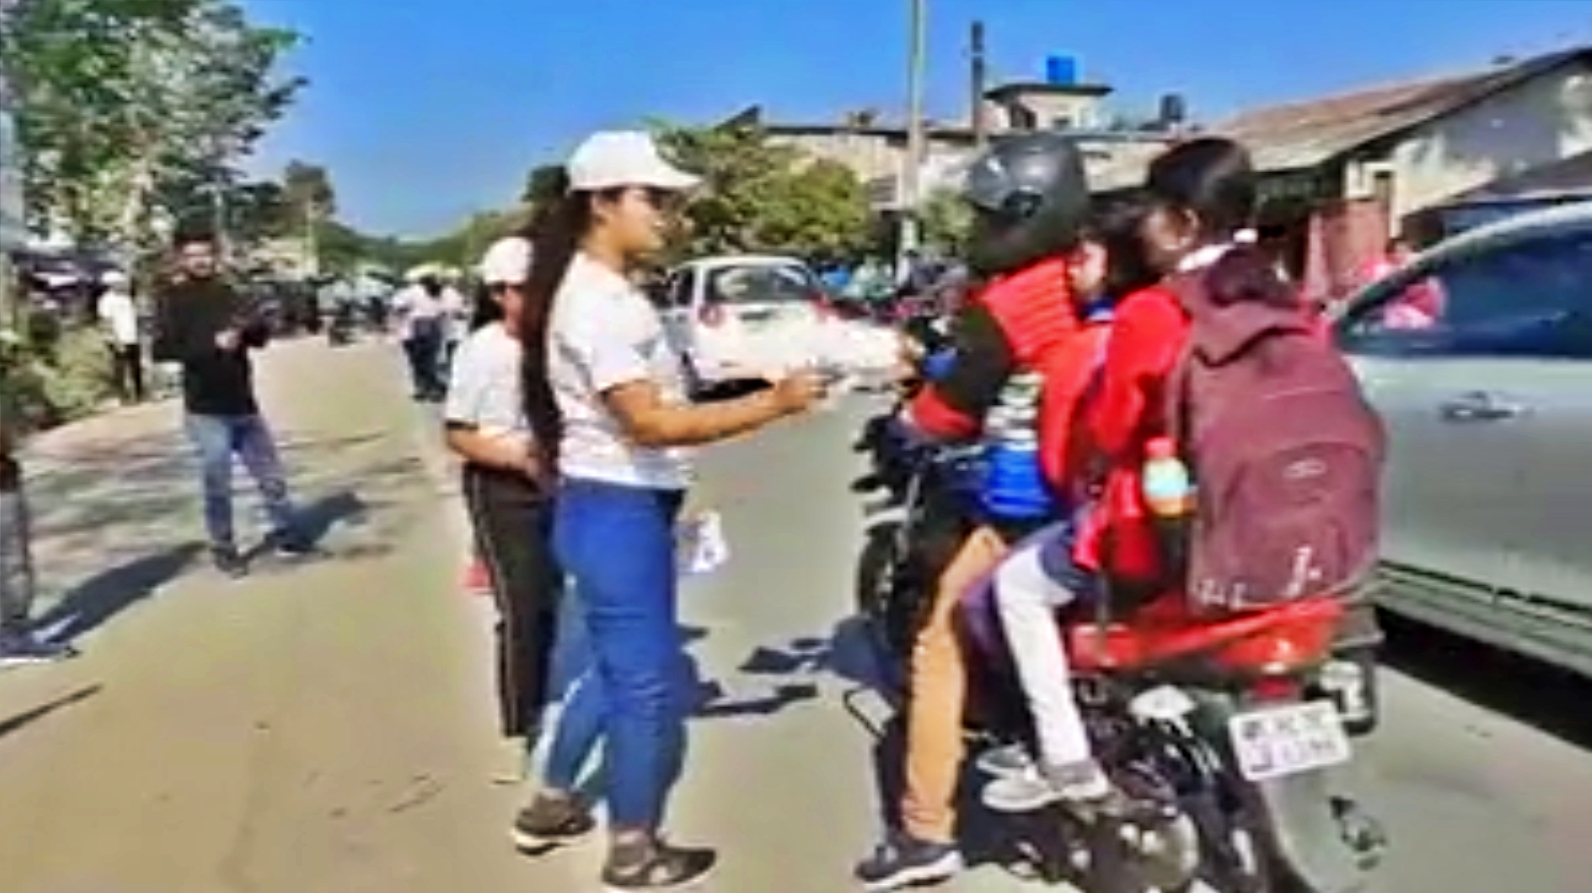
column 118, row 313
column 604, row 385
column 507, row 489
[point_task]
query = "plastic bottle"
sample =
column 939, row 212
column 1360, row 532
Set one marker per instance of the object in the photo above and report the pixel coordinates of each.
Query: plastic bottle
column 1169, row 495
column 1168, row 491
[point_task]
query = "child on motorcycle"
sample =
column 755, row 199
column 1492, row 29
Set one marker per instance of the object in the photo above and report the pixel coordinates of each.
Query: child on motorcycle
column 1039, row 576
column 1029, row 197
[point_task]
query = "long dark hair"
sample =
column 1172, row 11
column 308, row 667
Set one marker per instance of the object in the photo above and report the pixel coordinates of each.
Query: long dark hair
column 487, row 309
column 1212, row 179
column 1214, row 182
column 555, row 234
column 1115, row 227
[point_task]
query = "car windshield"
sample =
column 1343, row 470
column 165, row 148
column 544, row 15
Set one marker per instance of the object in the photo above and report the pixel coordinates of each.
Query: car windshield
column 761, row 284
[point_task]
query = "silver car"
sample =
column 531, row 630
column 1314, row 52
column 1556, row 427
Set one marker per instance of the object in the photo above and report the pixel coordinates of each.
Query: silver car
column 1479, row 356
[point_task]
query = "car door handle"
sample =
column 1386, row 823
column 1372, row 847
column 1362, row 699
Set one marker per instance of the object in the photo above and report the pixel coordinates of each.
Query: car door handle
column 1479, row 406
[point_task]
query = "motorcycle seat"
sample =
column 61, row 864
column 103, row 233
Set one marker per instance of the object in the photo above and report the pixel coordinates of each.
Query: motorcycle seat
column 1166, row 631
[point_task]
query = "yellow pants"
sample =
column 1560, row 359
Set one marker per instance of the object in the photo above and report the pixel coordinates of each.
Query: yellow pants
column 939, row 692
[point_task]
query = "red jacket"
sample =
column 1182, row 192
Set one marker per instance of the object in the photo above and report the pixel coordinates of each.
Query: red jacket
column 1146, row 338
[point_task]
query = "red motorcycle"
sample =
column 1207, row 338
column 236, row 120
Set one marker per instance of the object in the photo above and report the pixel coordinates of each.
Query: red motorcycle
column 1231, row 738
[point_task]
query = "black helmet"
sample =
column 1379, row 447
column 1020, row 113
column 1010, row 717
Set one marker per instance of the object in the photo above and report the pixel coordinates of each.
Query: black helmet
column 1030, row 196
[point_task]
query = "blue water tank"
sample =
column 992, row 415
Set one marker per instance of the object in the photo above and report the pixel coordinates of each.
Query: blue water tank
column 1061, row 71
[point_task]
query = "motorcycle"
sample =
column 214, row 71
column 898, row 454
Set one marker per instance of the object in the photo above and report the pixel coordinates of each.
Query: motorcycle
column 1231, row 739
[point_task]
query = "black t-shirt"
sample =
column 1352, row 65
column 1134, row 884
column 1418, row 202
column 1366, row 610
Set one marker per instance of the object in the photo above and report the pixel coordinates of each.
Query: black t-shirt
column 189, row 316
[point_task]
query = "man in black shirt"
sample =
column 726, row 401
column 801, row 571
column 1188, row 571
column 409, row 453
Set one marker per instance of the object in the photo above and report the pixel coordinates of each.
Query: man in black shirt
column 202, row 323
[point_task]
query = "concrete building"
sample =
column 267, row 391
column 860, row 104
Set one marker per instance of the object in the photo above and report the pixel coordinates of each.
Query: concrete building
column 877, row 151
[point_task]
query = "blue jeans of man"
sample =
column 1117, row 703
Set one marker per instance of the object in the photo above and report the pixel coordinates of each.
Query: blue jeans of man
column 220, row 437
column 617, row 544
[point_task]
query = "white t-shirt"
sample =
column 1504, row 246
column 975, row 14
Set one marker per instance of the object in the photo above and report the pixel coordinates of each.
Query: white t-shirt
column 605, row 333
column 484, row 385
column 119, row 311
column 455, row 311
column 413, row 304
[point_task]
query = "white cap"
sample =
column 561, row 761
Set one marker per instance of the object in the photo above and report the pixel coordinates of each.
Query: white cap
column 610, row 159
column 507, row 262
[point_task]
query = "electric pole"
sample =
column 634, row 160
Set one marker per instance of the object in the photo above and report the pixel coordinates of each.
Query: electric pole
column 917, row 148
column 978, row 73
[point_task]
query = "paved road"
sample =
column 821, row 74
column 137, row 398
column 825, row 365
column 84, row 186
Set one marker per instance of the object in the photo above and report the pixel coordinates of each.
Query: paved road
column 327, row 729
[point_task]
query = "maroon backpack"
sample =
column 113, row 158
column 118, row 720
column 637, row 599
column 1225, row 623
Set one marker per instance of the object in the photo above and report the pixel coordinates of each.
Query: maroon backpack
column 1285, row 453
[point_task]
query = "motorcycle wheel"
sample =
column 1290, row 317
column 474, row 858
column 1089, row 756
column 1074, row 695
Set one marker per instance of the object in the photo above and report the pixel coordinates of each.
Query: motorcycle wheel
column 882, row 600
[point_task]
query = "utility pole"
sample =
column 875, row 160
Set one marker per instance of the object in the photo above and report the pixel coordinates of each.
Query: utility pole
column 917, row 146
column 978, row 73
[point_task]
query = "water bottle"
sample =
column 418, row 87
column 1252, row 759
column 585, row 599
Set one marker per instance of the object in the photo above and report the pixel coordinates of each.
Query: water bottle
column 1169, row 495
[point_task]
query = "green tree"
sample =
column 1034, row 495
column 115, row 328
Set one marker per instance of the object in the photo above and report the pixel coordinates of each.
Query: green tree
column 545, row 183
column 135, row 111
column 311, row 203
column 759, row 195
column 945, row 219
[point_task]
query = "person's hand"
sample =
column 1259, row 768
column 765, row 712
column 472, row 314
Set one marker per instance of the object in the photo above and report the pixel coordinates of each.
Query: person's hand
column 228, row 339
column 799, row 391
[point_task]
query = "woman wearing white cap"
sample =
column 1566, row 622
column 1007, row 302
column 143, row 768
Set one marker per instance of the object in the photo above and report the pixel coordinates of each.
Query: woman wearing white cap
column 507, row 489
column 604, row 385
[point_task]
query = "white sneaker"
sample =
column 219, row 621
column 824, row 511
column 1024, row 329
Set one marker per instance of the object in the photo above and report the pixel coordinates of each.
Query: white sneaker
column 1027, row 791
column 1004, row 761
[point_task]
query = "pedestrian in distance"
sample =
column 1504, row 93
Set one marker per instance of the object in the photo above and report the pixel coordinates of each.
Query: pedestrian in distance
column 118, row 313
column 206, row 326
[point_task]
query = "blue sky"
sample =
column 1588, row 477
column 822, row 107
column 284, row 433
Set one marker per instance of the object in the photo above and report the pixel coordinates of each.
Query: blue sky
column 427, row 111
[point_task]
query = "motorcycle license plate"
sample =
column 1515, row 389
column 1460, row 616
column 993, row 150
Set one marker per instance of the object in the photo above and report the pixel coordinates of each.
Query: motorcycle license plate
column 1275, row 742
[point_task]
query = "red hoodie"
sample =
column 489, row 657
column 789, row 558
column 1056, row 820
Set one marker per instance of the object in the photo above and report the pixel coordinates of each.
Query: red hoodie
column 1146, row 339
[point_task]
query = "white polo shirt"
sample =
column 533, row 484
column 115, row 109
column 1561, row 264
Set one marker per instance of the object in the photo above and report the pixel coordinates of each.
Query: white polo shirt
column 605, row 333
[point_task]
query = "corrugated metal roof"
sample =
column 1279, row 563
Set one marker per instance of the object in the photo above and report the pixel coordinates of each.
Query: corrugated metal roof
column 1304, row 134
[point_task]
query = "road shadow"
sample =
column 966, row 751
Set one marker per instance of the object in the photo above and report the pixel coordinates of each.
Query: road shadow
column 847, row 653
column 28, row 717
column 1542, row 696
column 101, row 597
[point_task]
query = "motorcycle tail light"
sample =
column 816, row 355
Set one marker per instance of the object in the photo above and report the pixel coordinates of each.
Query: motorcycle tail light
column 1276, row 688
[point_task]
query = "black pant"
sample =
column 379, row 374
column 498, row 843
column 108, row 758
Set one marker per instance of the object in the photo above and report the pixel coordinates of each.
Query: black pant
column 513, row 526
column 127, row 368
column 424, row 353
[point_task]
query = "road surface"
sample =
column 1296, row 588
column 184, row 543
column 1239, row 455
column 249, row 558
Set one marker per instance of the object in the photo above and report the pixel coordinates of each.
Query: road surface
column 328, row 728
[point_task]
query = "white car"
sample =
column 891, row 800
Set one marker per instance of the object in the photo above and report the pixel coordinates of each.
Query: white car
column 743, row 318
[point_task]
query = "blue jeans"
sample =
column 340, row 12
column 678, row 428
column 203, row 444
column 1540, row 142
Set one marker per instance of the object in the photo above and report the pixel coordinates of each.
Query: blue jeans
column 617, row 543
column 574, row 736
column 579, row 726
column 218, row 438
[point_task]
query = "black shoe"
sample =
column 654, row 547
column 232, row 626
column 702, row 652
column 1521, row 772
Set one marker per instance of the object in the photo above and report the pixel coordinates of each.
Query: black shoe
column 552, row 822
column 21, row 649
column 229, row 561
column 905, row 861
column 655, row 865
